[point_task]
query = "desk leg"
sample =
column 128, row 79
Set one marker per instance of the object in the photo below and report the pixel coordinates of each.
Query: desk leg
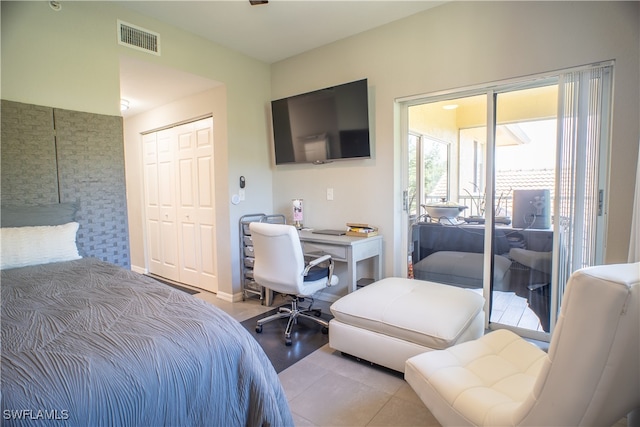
column 352, row 270
column 377, row 263
column 377, row 268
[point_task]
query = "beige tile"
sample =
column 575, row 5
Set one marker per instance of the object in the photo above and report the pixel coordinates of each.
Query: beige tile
column 406, row 393
column 241, row 310
column 376, row 377
column 300, row 376
column 401, row 412
column 336, row 400
column 299, row 421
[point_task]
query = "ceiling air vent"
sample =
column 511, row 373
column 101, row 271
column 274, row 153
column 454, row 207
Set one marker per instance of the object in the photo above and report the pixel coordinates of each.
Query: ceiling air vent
column 138, row 38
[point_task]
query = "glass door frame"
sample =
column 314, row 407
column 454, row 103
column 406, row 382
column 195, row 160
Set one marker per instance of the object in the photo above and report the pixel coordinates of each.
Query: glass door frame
column 491, row 91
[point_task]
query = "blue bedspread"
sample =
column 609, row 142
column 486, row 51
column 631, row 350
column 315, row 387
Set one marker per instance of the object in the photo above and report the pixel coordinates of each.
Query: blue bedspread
column 88, row 343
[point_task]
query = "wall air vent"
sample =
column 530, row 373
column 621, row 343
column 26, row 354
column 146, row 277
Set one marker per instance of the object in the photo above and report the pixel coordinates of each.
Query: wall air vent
column 138, row 38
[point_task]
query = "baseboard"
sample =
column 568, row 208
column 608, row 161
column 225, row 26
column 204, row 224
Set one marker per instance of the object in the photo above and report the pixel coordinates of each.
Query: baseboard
column 141, row 270
column 237, row 297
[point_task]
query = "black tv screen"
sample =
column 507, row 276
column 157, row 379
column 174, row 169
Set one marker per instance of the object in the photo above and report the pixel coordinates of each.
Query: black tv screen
column 323, row 125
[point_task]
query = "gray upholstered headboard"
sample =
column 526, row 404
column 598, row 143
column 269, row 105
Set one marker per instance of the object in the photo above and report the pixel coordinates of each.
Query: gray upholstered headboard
column 25, row 216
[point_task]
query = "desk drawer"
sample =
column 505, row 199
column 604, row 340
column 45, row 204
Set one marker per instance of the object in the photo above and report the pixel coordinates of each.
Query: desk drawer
column 366, row 249
column 336, row 252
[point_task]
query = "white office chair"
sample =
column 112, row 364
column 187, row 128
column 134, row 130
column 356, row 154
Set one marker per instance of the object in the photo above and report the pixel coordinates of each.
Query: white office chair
column 280, row 266
column 589, row 377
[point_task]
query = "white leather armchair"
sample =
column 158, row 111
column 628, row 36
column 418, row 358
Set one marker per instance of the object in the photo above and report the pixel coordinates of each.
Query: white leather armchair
column 589, row 377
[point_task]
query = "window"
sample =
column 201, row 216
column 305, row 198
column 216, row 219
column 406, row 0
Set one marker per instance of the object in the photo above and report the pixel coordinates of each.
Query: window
column 429, row 171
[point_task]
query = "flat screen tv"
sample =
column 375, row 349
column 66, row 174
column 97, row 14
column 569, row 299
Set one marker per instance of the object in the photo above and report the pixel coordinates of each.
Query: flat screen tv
column 323, row 125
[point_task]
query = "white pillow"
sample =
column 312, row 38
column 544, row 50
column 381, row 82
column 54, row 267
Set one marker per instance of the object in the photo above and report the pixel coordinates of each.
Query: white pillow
column 23, row 246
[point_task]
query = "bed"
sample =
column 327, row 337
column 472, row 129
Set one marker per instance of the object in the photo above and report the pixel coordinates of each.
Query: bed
column 86, row 342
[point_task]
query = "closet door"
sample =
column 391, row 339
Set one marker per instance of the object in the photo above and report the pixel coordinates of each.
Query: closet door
column 195, row 207
column 180, row 211
column 159, row 178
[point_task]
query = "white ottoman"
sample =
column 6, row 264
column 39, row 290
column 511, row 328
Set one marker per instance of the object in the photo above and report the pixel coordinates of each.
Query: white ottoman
column 394, row 319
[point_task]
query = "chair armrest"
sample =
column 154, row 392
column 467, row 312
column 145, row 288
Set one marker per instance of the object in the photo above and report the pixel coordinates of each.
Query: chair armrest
column 318, row 260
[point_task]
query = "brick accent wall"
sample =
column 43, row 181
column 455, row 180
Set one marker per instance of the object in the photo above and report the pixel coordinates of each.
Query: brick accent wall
column 87, row 155
column 29, row 174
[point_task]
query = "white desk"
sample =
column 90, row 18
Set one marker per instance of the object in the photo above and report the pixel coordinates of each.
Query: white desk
column 347, row 249
column 343, row 249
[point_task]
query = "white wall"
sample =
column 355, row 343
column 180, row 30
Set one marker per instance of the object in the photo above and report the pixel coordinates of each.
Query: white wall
column 46, row 62
column 70, row 59
column 459, row 44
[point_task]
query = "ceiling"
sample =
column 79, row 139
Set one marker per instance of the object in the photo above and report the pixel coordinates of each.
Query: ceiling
column 269, row 32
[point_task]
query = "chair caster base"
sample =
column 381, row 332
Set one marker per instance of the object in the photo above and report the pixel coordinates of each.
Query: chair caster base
column 287, row 342
column 259, row 329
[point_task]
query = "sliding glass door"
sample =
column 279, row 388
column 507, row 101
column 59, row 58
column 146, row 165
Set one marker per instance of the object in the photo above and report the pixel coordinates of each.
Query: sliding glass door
column 525, row 162
column 525, row 179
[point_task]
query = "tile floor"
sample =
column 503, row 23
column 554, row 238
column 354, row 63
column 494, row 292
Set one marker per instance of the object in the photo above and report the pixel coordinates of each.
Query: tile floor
column 328, row 389
column 238, row 310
